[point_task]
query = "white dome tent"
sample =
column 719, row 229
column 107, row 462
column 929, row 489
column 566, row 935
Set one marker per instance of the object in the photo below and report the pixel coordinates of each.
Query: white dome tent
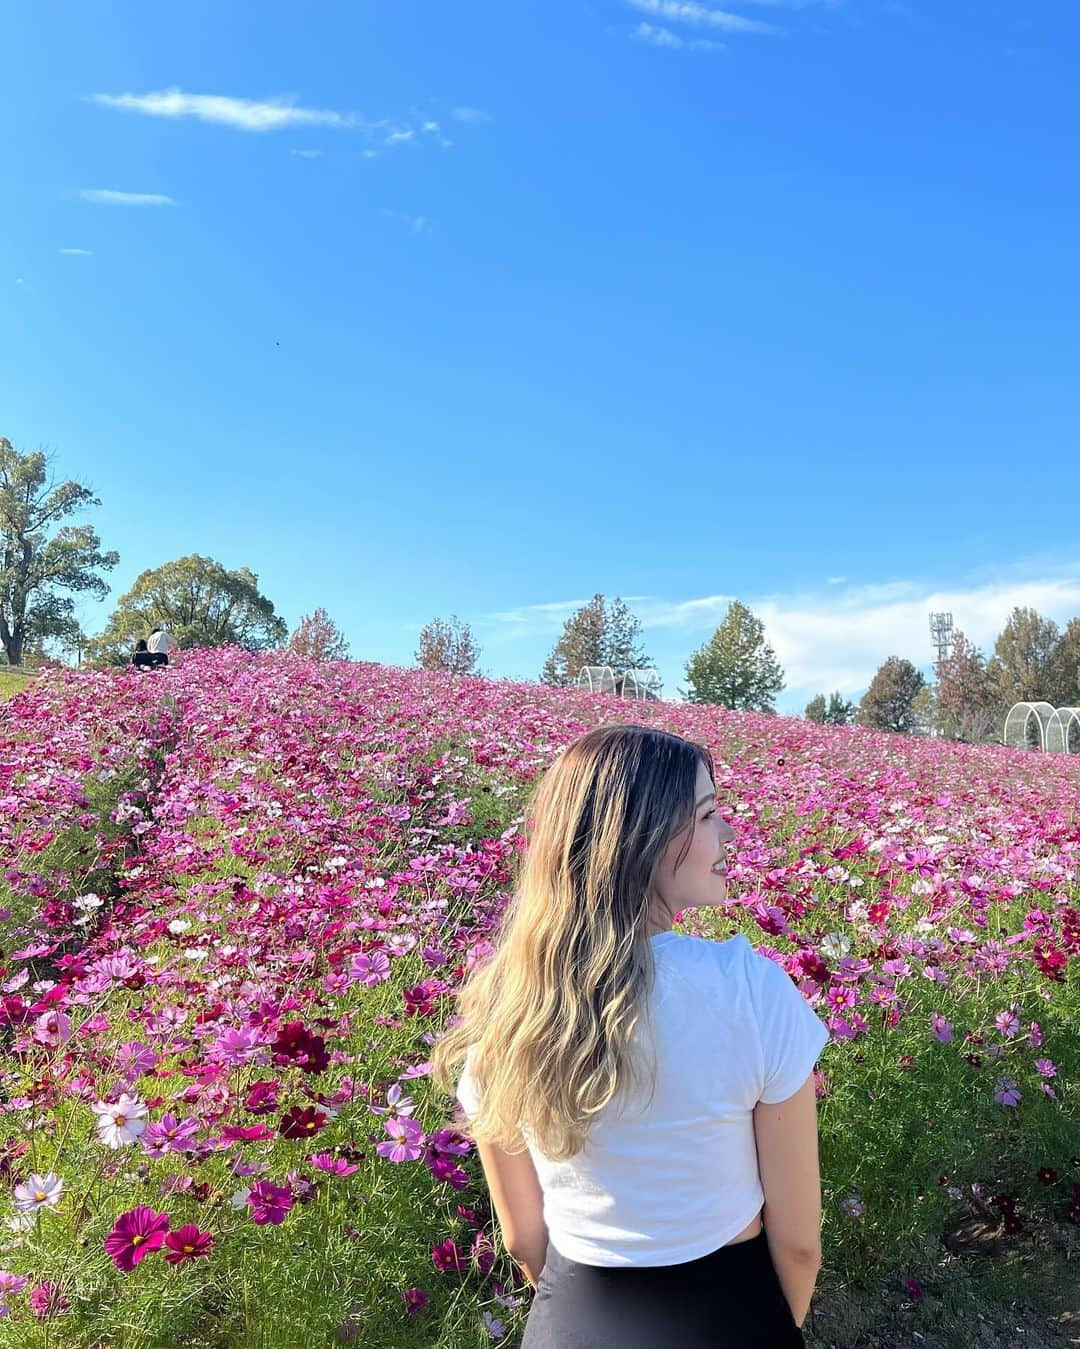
column 1063, row 731
column 597, row 678
column 641, row 684
column 1025, row 725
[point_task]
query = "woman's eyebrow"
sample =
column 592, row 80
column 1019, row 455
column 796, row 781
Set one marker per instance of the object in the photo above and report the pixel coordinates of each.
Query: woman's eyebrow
column 710, row 797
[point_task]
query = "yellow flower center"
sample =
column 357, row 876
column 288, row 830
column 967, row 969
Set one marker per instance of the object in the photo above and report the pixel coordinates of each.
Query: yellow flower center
column 136, row 1239
column 118, row 1120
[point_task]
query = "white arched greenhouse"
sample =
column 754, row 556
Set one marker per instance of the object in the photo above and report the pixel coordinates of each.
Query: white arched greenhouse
column 1063, row 731
column 641, row 684
column 1026, row 725
column 597, row 678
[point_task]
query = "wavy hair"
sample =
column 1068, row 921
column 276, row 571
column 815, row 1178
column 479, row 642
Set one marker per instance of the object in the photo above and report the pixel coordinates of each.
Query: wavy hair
column 548, row 1020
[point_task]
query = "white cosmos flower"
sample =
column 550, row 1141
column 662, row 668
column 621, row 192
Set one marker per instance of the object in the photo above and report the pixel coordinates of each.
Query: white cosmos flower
column 38, row 1192
column 121, row 1123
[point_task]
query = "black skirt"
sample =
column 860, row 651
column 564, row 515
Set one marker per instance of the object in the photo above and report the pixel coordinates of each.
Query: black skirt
column 728, row 1299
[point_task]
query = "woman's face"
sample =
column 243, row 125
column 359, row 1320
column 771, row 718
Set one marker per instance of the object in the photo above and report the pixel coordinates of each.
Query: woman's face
column 695, row 885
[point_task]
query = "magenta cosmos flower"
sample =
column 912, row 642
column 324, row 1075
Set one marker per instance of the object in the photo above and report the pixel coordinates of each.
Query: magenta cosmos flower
column 186, row 1243
column 269, row 1203
column 137, row 1233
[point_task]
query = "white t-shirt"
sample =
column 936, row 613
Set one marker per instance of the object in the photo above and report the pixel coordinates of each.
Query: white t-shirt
column 161, row 641
column 678, row 1179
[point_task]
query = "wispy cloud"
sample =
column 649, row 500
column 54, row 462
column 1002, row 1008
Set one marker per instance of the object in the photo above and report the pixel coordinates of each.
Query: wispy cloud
column 664, row 37
column 400, row 136
column 306, row 154
column 701, row 16
column 102, row 196
column 76, row 252
column 824, row 641
column 245, row 114
column 470, row 115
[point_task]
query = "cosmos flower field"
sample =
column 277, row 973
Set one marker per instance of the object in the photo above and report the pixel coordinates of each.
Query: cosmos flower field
column 237, row 896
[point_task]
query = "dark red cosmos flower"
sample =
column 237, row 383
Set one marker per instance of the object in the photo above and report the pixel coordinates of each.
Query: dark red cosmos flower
column 296, row 1043
column 1046, row 1175
column 302, row 1122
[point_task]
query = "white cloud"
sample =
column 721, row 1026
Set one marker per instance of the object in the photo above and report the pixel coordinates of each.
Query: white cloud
column 19, row 281
column 835, row 580
column 470, row 115
column 664, row 37
column 825, row 641
column 306, row 154
column 430, row 127
column 76, row 252
column 245, row 114
column 370, row 154
column 700, row 16
column 107, row 197
column 399, row 137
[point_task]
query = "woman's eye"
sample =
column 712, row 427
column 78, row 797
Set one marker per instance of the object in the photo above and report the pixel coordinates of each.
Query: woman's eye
column 708, row 814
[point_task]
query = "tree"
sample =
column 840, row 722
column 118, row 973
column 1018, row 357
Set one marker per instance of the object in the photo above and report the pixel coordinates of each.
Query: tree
column 447, row 646
column 839, row 711
column 1063, row 668
column 736, row 668
column 318, row 638
column 924, row 711
column 1020, row 665
column 815, row 709
column 596, row 634
column 887, row 703
column 968, row 704
column 199, row 602
column 32, row 566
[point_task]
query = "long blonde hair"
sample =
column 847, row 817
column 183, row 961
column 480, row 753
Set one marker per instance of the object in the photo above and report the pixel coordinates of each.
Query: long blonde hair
column 550, row 1015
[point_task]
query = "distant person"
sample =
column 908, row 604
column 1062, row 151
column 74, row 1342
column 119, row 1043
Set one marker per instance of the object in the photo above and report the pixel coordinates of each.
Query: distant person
column 145, row 659
column 160, row 643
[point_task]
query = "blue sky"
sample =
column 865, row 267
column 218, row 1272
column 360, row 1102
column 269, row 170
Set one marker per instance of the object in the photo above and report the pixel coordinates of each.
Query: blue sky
column 422, row 309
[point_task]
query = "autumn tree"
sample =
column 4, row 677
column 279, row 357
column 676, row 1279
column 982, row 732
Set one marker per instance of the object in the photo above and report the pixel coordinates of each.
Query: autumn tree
column 318, row 637
column 838, row 712
column 596, row 634
column 33, row 566
column 887, row 703
column 447, row 646
column 968, row 703
column 736, row 667
column 1020, row 666
column 199, row 602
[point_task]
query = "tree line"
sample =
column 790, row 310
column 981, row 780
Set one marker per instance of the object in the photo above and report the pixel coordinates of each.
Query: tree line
column 202, row 603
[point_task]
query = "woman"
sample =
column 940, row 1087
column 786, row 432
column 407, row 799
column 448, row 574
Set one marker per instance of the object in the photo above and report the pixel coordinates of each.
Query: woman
column 642, row 1101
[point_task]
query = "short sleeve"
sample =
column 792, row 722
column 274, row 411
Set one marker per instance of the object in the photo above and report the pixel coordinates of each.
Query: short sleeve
column 466, row 1090
column 792, row 1033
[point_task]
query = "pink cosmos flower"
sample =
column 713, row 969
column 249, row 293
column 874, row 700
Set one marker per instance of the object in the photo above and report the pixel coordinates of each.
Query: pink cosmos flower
column 52, row 1029
column 169, row 1134
column 334, row 1166
column 1007, row 1092
column 406, row 1134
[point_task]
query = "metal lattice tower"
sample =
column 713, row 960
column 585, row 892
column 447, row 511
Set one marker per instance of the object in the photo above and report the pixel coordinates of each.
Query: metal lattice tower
column 941, row 631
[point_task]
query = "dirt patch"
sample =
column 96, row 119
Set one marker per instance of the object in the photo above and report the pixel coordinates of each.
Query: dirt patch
column 986, row 1292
